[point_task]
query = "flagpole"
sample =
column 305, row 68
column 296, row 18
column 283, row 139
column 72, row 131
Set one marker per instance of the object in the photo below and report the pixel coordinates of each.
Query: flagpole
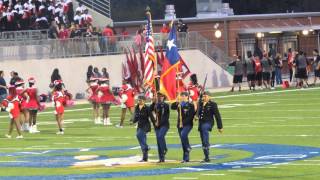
column 155, row 63
column 179, row 94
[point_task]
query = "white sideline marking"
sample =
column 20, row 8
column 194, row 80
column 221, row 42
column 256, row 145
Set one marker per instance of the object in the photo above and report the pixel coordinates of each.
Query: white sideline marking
column 268, row 167
column 137, row 147
column 192, row 169
column 212, row 174
column 185, row 178
column 314, row 153
column 268, row 92
column 312, row 160
column 61, row 143
column 239, row 170
column 303, row 164
column 84, row 150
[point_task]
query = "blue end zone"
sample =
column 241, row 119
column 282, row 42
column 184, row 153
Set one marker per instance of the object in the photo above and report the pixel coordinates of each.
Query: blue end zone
column 263, row 154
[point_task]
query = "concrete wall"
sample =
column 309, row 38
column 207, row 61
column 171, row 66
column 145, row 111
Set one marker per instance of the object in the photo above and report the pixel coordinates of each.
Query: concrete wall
column 73, row 70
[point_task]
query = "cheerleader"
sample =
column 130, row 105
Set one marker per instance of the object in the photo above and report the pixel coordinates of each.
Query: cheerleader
column 127, row 101
column 32, row 105
column 12, row 105
column 58, row 99
column 105, row 97
column 92, row 90
column 25, row 114
column 194, row 89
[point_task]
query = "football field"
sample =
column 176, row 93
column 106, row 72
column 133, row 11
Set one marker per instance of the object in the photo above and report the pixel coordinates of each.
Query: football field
column 267, row 135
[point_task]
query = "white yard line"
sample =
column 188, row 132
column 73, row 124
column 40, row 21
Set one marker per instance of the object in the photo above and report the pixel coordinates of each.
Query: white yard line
column 267, row 92
column 212, row 174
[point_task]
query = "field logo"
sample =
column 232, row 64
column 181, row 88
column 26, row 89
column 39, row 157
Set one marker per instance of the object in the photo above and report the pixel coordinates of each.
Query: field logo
column 263, row 155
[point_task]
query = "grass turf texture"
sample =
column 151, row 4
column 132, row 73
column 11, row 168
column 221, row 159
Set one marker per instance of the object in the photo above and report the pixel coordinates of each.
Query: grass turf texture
column 285, row 117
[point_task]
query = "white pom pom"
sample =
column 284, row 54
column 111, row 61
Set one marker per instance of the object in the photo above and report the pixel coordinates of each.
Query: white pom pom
column 124, row 98
column 58, row 104
column 100, row 94
column 10, row 107
column 191, row 93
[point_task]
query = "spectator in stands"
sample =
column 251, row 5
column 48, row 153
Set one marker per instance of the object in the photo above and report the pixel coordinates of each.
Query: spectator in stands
column 77, row 18
column 139, row 38
column 42, row 23
column 109, row 38
column 86, row 18
column 68, row 10
column 316, row 65
column 182, row 28
column 124, row 33
column 91, row 36
column 52, row 36
column 63, row 36
column 3, row 87
column 164, row 34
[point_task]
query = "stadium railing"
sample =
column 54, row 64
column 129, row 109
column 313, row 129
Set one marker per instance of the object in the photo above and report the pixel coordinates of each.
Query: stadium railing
column 23, row 35
column 100, row 45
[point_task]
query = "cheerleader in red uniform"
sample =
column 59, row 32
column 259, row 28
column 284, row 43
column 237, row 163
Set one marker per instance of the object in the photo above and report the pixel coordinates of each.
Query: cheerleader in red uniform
column 194, row 89
column 93, row 98
column 127, row 101
column 105, row 99
column 25, row 114
column 12, row 105
column 33, row 105
column 58, row 99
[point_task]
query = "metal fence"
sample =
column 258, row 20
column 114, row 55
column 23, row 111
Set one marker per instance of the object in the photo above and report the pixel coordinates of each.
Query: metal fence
column 23, row 35
column 100, row 45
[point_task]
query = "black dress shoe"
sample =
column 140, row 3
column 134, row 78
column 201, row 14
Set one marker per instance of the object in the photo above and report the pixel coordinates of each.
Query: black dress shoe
column 161, row 161
column 184, row 161
column 143, row 160
column 205, row 161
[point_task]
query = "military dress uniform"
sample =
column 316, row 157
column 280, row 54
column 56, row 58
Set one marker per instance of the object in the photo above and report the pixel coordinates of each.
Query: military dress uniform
column 162, row 113
column 184, row 125
column 142, row 117
column 207, row 112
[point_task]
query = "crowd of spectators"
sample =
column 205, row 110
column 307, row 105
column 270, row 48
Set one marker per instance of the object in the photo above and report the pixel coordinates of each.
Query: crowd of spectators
column 38, row 14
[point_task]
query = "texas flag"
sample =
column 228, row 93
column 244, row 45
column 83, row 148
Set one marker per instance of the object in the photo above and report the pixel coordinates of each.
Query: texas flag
column 171, row 65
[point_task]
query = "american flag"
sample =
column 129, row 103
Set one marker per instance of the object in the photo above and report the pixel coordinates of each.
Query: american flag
column 150, row 56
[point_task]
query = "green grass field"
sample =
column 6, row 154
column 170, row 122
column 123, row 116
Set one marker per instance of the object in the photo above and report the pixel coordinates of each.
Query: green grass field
column 278, row 118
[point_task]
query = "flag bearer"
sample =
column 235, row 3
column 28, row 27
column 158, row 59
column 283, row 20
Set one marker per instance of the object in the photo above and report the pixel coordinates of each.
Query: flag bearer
column 161, row 111
column 186, row 113
column 208, row 111
column 142, row 116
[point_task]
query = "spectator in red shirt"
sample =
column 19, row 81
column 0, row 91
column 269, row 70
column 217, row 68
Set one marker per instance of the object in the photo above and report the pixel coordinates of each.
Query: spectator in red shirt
column 63, row 36
column 164, row 34
column 165, row 29
column 110, row 40
column 124, row 34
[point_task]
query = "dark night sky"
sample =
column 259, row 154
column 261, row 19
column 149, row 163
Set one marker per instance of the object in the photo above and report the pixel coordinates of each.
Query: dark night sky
column 129, row 10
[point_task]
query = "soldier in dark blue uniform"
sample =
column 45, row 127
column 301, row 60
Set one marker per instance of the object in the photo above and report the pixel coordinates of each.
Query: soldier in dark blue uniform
column 142, row 115
column 186, row 113
column 208, row 111
column 161, row 112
